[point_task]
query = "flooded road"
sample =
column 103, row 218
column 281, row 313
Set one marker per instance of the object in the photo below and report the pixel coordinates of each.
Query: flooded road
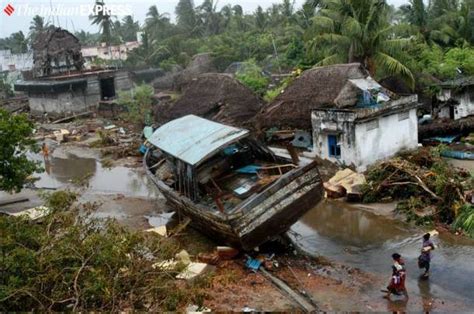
column 363, row 239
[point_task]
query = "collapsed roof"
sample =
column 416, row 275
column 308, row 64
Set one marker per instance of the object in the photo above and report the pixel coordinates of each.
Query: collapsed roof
column 337, row 86
column 213, row 96
column 56, row 50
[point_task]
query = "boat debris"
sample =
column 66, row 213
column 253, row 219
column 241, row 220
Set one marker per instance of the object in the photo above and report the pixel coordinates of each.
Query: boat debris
column 232, row 187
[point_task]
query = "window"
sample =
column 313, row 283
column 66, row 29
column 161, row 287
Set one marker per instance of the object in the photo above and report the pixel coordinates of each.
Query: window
column 334, row 146
column 371, row 125
column 403, row 115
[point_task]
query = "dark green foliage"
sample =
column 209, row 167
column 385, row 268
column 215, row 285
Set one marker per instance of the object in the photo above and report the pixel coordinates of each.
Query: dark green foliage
column 15, row 142
column 465, row 220
column 77, row 263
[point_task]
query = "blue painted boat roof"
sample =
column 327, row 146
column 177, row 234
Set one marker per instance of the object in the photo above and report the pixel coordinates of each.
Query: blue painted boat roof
column 193, row 139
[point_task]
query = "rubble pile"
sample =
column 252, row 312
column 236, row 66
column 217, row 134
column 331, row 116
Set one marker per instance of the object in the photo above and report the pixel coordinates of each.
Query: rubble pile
column 426, row 187
column 113, row 141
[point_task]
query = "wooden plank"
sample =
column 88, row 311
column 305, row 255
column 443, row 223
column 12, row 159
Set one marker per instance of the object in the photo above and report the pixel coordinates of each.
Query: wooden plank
column 297, row 297
column 14, row 201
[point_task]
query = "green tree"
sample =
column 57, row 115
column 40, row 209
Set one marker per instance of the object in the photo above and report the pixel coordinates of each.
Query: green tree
column 105, row 23
column 37, row 26
column 129, row 29
column 186, row 16
column 358, row 31
column 157, row 25
column 15, row 142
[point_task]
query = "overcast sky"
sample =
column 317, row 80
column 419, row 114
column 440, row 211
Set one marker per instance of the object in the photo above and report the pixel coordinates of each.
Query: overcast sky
column 24, row 11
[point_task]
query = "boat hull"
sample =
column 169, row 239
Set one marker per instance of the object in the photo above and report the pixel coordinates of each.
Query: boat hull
column 259, row 218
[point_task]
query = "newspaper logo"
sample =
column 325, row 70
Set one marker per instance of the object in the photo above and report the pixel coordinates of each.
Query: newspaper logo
column 9, row 9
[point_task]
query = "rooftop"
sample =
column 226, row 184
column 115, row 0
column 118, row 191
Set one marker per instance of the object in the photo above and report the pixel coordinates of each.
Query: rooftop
column 193, row 139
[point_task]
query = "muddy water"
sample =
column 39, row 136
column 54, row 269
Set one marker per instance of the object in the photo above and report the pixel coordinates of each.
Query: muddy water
column 366, row 240
column 69, row 168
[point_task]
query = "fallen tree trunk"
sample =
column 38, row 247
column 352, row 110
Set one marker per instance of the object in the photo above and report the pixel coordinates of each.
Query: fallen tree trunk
column 446, row 126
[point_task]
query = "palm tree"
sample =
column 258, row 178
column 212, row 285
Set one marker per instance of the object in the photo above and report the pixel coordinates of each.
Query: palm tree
column 347, row 31
column 18, row 42
column 105, row 23
column 157, row 25
column 37, row 26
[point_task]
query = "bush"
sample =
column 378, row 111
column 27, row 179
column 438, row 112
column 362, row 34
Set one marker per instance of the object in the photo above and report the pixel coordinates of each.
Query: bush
column 139, row 104
column 252, row 76
column 72, row 261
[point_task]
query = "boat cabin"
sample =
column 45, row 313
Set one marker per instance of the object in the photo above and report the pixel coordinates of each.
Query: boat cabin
column 212, row 164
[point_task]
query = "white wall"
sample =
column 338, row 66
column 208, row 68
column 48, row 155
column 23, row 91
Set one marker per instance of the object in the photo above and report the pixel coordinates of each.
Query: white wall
column 391, row 136
column 20, row 61
column 465, row 107
column 466, row 102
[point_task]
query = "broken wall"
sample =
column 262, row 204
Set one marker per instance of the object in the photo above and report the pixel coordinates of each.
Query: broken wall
column 339, row 123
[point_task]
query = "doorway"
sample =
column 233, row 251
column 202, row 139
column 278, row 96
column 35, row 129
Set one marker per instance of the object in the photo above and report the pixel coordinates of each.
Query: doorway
column 107, row 88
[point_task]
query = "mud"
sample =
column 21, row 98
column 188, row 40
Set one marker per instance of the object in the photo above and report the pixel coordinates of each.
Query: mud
column 358, row 240
column 362, row 239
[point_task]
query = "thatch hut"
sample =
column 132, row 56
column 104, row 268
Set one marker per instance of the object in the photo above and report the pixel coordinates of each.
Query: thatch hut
column 56, row 51
column 214, row 96
column 316, row 88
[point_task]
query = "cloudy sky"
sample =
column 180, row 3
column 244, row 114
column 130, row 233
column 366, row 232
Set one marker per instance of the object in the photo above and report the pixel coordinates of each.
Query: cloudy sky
column 73, row 14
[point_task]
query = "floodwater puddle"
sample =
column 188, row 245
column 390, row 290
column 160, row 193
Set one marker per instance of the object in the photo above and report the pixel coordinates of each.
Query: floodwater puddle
column 363, row 239
column 69, row 168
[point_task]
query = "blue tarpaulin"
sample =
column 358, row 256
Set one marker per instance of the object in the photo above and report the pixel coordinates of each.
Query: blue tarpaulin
column 444, row 139
column 457, row 154
column 249, row 169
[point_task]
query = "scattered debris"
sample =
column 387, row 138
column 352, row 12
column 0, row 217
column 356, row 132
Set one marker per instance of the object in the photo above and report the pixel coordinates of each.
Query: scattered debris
column 159, row 230
column 194, row 270
column 224, row 179
column 33, row 213
column 345, row 183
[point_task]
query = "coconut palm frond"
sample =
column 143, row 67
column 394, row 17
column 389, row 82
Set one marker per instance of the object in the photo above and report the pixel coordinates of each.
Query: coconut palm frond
column 394, row 67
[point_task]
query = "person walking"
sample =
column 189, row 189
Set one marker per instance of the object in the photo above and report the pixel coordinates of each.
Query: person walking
column 45, row 151
column 424, row 260
column 397, row 281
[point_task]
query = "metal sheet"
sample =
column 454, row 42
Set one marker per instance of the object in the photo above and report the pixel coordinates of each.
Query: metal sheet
column 367, row 83
column 193, row 139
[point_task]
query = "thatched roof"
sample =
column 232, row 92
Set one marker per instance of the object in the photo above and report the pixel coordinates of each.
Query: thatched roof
column 217, row 97
column 315, row 88
column 200, row 64
column 56, row 49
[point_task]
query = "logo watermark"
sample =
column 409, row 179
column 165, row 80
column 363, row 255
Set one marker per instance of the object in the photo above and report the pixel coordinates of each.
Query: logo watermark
column 9, row 9
column 27, row 9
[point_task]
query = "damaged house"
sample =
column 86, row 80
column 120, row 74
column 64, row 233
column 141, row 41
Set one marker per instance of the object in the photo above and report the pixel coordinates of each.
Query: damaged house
column 456, row 98
column 351, row 119
column 60, row 85
column 214, row 96
column 365, row 123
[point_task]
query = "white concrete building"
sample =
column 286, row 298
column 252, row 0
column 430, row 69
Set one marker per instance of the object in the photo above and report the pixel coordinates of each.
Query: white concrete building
column 361, row 137
column 116, row 52
column 15, row 61
column 456, row 98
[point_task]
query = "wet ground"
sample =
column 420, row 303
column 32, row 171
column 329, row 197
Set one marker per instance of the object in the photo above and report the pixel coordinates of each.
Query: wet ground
column 361, row 238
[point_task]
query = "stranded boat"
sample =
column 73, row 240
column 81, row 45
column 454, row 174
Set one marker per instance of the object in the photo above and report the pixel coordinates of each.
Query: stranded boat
column 232, row 188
